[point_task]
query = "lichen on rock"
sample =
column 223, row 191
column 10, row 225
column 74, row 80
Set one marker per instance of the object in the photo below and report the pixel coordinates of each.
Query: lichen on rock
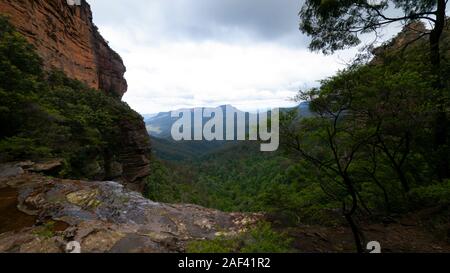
column 107, row 217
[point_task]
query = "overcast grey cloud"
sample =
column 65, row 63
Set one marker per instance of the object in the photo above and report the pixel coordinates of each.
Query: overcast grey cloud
column 187, row 53
column 204, row 19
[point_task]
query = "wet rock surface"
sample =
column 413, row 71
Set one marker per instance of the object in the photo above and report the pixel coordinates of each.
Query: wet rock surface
column 103, row 217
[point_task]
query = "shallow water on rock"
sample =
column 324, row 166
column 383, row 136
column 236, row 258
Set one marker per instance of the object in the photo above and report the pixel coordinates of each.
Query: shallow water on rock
column 11, row 218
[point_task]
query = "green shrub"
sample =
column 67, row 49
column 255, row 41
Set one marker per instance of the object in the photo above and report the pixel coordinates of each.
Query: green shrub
column 431, row 195
column 261, row 239
column 17, row 148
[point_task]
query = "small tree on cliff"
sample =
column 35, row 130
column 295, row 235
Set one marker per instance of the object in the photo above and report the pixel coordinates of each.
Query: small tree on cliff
column 337, row 24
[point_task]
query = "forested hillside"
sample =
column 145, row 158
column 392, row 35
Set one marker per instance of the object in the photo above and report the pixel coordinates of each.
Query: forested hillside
column 366, row 154
column 46, row 115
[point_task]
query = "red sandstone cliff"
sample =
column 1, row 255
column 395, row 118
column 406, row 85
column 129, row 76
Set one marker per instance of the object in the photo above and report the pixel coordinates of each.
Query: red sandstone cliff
column 67, row 39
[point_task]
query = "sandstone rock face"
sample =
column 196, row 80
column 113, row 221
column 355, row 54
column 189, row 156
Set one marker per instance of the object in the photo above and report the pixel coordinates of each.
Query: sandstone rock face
column 134, row 155
column 102, row 217
column 67, row 39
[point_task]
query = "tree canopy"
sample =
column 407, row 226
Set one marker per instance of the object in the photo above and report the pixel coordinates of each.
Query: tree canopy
column 338, row 24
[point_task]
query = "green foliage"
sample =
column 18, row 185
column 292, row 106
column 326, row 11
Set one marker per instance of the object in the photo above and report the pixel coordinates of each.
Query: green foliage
column 371, row 140
column 288, row 205
column 335, row 25
column 431, row 195
column 230, row 180
column 241, row 178
column 18, row 148
column 261, row 239
column 379, row 119
column 171, row 183
column 218, row 245
column 47, row 115
column 46, row 231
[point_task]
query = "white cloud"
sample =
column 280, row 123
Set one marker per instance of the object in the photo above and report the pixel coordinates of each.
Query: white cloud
column 227, row 65
column 178, row 74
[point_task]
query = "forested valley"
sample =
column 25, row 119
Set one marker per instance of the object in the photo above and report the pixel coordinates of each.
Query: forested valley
column 372, row 158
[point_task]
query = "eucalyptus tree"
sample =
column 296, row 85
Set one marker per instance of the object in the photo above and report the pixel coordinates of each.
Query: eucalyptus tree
column 339, row 24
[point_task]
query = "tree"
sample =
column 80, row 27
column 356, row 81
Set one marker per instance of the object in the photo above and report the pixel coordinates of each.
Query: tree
column 338, row 24
column 367, row 134
column 333, row 141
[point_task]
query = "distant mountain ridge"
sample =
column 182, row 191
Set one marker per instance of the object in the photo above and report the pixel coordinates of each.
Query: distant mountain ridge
column 164, row 147
column 160, row 125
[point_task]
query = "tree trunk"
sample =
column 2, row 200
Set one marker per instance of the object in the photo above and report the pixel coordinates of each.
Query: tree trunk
column 441, row 119
column 396, row 166
column 387, row 203
column 402, row 177
column 357, row 234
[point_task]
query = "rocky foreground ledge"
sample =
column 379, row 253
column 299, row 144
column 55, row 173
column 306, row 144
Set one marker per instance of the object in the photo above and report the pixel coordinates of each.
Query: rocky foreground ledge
column 43, row 214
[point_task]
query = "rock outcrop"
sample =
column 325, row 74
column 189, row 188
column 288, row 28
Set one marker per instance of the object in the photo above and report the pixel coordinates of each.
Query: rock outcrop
column 39, row 214
column 67, row 39
column 133, row 156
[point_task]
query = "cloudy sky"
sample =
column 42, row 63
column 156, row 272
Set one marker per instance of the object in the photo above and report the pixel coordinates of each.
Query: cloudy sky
column 190, row 53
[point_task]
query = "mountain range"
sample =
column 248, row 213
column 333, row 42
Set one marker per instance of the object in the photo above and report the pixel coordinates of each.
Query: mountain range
column 159, row 125
column 164, row 147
